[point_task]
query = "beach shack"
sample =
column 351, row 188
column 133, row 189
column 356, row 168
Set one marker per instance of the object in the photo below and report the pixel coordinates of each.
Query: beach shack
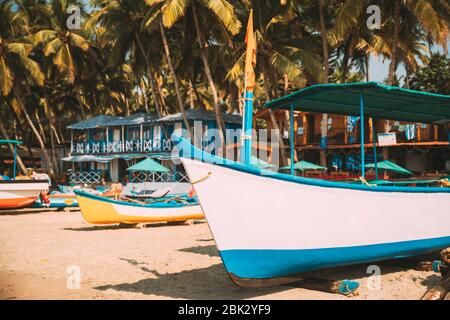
column 103, row 147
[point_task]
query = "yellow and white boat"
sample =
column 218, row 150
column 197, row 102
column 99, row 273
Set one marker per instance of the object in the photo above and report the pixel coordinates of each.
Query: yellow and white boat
column 102, row 210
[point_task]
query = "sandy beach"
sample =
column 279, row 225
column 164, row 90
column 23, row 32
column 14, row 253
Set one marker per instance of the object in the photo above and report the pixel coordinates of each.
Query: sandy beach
column 40, row 250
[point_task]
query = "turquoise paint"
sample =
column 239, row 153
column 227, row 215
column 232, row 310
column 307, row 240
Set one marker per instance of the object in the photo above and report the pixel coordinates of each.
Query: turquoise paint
column 247, row 128
column 361, row 111
column 275, row 263
column 187, row 150
column 291, row 140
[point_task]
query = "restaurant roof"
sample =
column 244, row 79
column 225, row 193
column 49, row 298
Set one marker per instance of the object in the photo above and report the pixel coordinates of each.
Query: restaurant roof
column 380, row 101
column 95, row 122
column 134, row 119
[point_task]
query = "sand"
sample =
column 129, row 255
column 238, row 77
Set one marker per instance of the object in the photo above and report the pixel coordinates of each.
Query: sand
column 40, row 253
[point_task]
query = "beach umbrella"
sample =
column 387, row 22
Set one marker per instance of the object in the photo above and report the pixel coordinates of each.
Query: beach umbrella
column 389, row 166
column 148, row 165
column 256, row 162
column 305, row 166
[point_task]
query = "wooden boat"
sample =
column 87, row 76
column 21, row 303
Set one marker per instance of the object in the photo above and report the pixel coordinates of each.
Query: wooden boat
column 15, row 194
column 57, row 200
column 275, row 225
column 19, row 193
column 102, row 210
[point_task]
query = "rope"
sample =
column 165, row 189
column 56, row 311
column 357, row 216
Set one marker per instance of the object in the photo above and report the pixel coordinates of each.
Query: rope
column 201, row 179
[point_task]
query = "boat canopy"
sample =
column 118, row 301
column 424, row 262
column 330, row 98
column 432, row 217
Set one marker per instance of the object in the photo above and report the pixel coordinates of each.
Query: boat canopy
column 10, row 141
column 380, row 101
column 389, row 166
column 148, row 165
column 305, row 166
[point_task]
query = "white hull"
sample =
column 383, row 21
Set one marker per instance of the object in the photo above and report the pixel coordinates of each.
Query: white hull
column 252, row 212
column 16, row 194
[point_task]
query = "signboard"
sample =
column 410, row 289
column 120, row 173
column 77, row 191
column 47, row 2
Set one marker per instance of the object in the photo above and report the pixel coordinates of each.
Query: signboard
column 387, row 139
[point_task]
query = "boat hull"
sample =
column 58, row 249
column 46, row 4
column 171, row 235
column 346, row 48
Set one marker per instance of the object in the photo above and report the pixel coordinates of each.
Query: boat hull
column 101, row 210
column 277, row 225
column 16, row 194
column 58, row 201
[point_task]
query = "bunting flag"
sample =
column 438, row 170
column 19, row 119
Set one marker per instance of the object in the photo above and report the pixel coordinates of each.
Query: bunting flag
column 250, row 55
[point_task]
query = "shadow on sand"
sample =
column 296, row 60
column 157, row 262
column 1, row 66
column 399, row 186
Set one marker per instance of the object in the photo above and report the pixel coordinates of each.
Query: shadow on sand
column 20, row 212
column 202, row 283
column 213, row 282
column 206, row 250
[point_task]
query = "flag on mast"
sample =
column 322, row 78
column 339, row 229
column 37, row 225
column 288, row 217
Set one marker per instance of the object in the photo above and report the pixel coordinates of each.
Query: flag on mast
column 250, row 55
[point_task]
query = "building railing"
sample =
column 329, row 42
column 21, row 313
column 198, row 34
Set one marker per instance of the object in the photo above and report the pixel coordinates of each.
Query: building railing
column 159, row 177
column 102, row 147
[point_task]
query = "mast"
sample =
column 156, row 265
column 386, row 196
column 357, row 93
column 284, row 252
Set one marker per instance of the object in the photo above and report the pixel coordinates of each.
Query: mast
column 247, row 119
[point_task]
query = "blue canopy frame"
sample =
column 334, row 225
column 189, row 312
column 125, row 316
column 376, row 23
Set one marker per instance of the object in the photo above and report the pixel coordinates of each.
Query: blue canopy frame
column 14, row 143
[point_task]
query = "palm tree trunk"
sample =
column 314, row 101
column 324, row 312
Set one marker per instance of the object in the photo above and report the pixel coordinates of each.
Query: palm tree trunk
column 393, row 65
column 326, row 72
column 197, row 95
column 41, row 128
column 11, row 148
column 174, row 76
column 27, row 143
column 52, row 130
column 152, row 82
column 80, row 104
column 219, row 117
column 35, row 131
column 164, row 108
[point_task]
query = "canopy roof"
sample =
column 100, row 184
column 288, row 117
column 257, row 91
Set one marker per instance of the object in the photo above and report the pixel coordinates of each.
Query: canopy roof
column 148, row 165
column 10, row 141
column 92, row 123
column 134, row 119
column 200, row 115
column 380, row 101
column 304, row 166
column 389, row 166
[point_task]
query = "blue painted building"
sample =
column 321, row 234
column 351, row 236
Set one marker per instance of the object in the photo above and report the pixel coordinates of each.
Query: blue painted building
column 104, row 146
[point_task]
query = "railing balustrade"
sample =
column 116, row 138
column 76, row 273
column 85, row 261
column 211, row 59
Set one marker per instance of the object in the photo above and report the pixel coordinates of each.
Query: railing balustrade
column 102, row 147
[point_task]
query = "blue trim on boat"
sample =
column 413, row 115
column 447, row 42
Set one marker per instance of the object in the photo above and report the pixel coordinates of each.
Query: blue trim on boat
column 187, row 150
column 261, row 264
column 133, row 204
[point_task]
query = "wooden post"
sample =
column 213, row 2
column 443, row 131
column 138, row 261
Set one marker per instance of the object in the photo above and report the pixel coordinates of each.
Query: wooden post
column 436, row 132
column 305, row 129
column 345, row 130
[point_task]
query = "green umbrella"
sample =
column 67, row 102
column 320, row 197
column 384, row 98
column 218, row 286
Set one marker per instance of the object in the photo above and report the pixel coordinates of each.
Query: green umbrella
column 389, row 166
column 256, row 162
column 304, row 166
column 148, row 165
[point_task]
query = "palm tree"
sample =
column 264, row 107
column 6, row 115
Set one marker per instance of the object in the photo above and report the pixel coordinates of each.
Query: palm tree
column 223, row 13
column 68, row 47
column 17, row 68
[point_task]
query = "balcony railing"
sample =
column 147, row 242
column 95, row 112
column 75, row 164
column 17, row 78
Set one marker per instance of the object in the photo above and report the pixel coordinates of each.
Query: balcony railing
column 102, row 147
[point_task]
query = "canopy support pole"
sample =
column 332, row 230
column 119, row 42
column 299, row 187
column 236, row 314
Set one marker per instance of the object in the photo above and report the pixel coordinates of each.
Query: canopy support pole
column 246, row 151
column 291, row 140
column 71, row 141
column 374, row 138
column 15, row 160
column 361, row 111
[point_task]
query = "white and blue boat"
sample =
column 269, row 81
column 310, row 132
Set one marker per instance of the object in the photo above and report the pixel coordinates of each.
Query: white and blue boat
column 269, row 225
